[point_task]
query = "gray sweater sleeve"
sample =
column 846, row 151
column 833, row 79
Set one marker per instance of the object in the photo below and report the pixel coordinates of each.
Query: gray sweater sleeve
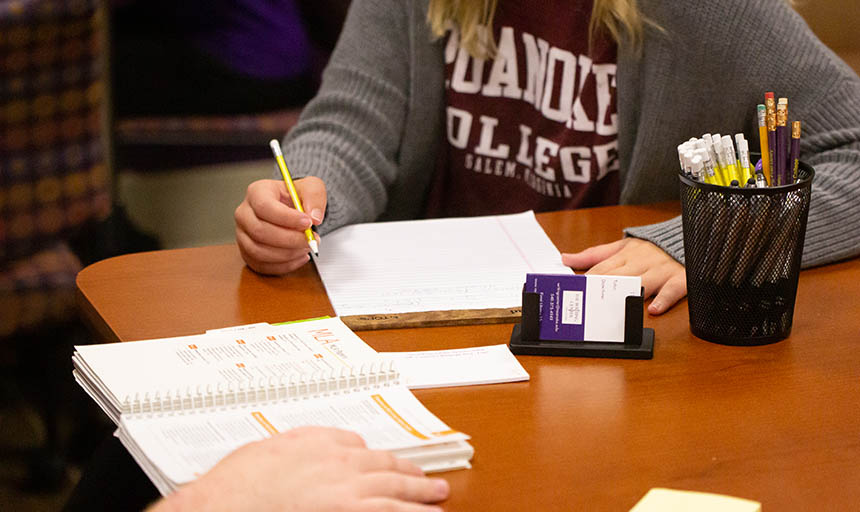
column 349, row 135
column 824, row 94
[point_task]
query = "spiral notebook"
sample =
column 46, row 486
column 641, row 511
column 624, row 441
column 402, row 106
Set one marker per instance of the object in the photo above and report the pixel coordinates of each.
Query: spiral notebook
column 182, row 404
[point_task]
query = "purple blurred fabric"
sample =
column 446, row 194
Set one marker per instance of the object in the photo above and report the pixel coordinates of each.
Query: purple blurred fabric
column 261, row 38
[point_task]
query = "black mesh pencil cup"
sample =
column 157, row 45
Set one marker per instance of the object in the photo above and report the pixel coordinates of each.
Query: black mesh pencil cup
column 742, row 249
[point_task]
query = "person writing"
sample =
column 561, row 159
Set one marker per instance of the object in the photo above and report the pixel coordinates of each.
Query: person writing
column 473, row 107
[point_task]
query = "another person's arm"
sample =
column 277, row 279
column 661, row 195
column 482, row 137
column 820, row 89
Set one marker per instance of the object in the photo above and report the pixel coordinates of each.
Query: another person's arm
column 309, row 469
column 823, row 93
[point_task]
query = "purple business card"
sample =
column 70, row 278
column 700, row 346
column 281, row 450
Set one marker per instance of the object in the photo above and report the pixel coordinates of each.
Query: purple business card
column 580, row 307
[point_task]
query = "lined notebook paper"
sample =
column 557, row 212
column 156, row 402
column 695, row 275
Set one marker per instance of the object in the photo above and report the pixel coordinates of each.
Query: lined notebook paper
column 434, row 265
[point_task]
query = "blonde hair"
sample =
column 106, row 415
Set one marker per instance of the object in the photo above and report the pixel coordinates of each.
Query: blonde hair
column 472, row 17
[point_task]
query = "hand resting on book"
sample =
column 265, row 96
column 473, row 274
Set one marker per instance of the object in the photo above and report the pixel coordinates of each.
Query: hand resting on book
column 309, row 468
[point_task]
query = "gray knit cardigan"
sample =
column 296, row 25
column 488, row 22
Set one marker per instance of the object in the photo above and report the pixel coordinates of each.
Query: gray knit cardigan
column 373, row 130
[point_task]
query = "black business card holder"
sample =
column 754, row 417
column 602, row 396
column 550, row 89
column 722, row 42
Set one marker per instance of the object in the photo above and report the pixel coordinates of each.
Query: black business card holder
column 638, row 341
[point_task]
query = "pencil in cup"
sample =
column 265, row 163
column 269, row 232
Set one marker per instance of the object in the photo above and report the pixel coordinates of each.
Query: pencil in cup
column 770, row 121
column 737, row 214
column 794, row 152
column 759, row 229
column 742, row 251
column 781, row 153
column 294, row 194
column 775, row 263
column 719, row 227
column 761, row 113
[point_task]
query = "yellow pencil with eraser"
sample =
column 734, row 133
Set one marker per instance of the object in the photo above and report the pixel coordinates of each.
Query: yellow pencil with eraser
column 294, row 195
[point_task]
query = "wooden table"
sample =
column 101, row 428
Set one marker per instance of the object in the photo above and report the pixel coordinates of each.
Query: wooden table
column 779, row 423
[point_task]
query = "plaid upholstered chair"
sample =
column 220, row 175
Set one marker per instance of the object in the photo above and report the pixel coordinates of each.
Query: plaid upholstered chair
column 53, row 179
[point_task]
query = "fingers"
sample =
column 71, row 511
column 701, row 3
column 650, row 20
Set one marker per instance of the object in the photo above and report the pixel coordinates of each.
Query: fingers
column 268, row 200
column 378, row 460
column 666, row 279
column 271, row 268
column 271, row 234
column 312, row 193
column 614, row 265
column 593, row 255
column 272, row 247
column 674, row 289
column 661, row 275
column 655, row 277
column 392, row 505
column 404, row 487
column 266, row 219
column 331, row 434
column 269, row 249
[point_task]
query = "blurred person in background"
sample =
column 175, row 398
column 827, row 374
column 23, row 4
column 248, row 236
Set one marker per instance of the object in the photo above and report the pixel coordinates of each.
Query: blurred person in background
column 219, row 57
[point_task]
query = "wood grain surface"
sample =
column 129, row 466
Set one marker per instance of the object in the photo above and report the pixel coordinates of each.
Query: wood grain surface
column 778, row 423
column 433, row 318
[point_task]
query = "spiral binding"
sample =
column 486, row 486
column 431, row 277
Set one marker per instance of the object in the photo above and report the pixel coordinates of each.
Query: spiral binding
column 367, row 376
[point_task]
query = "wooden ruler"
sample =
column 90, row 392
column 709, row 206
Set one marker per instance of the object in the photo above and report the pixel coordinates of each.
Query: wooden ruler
column 433, row 319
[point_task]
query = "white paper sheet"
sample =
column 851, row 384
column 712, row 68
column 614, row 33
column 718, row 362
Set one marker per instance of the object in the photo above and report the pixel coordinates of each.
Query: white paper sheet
column 434, row 265
column 458, row 367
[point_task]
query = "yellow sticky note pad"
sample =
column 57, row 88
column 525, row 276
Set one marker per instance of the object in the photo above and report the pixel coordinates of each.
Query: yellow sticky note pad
column 672, row 500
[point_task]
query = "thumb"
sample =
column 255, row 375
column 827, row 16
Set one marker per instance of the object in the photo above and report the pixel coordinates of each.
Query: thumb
column 593, row 255
column 313, row 196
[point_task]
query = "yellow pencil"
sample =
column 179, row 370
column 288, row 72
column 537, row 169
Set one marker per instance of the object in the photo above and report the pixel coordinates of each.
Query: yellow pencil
column 761, row 112
column 291, row 188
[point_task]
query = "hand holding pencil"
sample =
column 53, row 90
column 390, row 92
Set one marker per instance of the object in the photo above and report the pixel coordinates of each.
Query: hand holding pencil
column 272, row 228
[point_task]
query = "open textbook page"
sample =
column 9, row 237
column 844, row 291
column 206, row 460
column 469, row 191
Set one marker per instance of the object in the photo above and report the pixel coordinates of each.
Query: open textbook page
column 184, row 403
column 175, row 449
column 434, row 265
column 157, row 373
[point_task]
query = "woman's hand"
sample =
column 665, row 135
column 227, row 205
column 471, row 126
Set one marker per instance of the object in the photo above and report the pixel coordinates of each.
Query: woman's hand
column 315, row 469
column 270, row 232
column 661, row 274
